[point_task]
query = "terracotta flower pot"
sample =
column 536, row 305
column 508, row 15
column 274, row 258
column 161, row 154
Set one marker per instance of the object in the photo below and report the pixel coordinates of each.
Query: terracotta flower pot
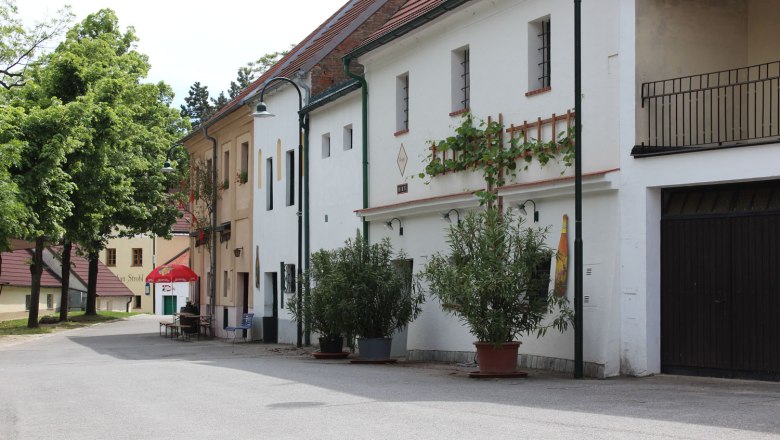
column 497, row 359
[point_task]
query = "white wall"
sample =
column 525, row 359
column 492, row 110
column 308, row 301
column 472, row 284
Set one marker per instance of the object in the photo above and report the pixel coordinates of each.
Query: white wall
column 496, row 33
column 275, row 231
column 335, row 182
column 180, row 290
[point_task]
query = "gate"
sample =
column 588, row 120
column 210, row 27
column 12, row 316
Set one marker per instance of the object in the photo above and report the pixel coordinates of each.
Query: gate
column 720, row 281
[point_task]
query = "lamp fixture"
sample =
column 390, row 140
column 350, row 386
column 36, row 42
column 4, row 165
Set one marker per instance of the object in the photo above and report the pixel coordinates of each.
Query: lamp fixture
column 389, row 225
column 237, row 251
column 522, row 210
column 446, row 216
column 167, row 168
column 261, row 111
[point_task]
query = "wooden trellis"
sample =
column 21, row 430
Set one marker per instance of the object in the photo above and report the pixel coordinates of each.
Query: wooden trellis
column 515, row 130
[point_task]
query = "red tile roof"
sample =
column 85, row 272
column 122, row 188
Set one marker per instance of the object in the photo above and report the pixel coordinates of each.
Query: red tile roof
column 411, row 11
column 16, row 270
column 107, row 283
column 309, row 51
column 182, row 225
column 408, row 12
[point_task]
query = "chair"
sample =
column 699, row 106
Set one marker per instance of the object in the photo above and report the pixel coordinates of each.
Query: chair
column 246, row 324
column 205, row 326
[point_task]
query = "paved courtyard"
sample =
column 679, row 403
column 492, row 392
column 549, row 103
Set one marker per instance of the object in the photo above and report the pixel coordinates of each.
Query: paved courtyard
column 121, row 380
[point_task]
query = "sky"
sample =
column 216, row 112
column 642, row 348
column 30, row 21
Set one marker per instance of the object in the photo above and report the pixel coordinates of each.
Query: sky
column 194, row 40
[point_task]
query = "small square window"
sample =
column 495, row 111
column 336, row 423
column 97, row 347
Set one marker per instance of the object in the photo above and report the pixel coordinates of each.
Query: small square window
column 326, row 145
column 138, row 257
column 49, row 301
column 348, row 137
column 138, row 301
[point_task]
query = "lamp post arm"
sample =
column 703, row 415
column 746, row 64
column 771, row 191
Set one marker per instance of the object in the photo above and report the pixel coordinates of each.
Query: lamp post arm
column 283, row 78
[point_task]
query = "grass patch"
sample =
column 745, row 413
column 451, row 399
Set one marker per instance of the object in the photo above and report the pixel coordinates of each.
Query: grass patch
column 75, row 320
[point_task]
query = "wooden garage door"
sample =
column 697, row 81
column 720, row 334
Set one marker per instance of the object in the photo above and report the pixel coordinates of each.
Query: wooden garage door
column 720, row 280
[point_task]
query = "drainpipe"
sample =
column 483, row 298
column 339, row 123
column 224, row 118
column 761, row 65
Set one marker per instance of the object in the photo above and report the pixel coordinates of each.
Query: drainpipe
column 213, row 268
column 364, row 99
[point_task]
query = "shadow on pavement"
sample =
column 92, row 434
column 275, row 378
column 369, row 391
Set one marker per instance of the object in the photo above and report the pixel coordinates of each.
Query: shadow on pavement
column 736, row 404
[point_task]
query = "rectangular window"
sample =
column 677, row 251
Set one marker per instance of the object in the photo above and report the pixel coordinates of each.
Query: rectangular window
column 226, row 173
column 138, row 301
column 402, row 104
column 245, row 157
column 27, row 302
column 110, row 257
column 225, row 286
column 348, row 137
column 138, row 257
column 539, row 54
column 461, row 80
column 326, row 145
column 290, row 171
column 269, row 184
column 49, row 301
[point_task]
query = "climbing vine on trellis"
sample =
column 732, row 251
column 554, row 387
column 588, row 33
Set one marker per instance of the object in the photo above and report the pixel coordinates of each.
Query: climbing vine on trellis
column 480, row 145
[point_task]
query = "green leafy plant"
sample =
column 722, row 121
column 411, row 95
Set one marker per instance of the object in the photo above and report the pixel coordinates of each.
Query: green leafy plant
column 480, row 145
column 225, row 184
column 242, row 177
column 326, row 301
column 494, row 278
column 377, row 285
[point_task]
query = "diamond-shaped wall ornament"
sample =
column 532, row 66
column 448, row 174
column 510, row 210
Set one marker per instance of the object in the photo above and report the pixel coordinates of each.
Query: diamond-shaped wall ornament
column 402, row 159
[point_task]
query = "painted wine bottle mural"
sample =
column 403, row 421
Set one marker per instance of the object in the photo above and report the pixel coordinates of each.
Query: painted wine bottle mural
column 562, row 260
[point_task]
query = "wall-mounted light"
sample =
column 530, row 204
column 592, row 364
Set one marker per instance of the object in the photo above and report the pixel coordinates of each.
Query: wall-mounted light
column 447, row 218
column 167, row 168
column 237, row 251
column 522, row 210
column 389, row 225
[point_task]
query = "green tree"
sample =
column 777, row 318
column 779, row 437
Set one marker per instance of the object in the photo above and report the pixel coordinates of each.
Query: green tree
column 220, row 102
column 198, row 107
column 20, row 45
column 124, row 129
column 244, row 78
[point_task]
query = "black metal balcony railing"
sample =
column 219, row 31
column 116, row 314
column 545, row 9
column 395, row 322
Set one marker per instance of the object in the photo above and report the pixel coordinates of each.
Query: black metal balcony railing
column 727, row 108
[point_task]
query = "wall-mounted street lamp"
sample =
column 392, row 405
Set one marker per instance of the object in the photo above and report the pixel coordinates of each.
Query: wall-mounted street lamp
column 522, row 210
column 389, row 225
column 237, row 251
column 446, row 216
column 261, row 111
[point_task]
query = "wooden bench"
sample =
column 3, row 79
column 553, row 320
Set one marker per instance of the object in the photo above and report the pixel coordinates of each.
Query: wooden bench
column 180, row 330
column 167, row 325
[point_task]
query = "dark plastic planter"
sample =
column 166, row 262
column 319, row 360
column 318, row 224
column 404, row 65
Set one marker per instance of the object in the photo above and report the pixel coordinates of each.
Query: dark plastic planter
column 332, row 344
column 374, row 349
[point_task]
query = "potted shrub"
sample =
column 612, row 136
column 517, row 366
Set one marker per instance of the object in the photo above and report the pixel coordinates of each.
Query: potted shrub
column 382, row 299
column 496, row 279
column 325, row 303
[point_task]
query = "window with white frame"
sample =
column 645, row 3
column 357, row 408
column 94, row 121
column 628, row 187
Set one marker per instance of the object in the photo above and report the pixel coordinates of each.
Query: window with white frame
column 539, row 67
column 402, row 103
column 461, row 80
column 348, row 137
column 326, row 145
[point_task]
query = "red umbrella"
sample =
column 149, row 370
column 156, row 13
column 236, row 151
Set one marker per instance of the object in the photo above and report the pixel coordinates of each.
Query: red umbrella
column 171, row 273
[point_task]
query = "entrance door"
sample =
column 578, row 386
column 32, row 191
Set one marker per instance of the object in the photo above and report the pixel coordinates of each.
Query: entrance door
column 245, row 294
column 169, row 304
column 720, row 283
column 271, row 323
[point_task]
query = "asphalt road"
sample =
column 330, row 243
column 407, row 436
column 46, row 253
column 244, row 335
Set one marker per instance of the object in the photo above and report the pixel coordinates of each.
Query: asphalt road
column 122, row 381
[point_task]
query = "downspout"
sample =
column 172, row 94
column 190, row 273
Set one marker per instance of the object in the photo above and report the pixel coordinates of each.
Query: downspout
column 213, row 262
column 364, row 101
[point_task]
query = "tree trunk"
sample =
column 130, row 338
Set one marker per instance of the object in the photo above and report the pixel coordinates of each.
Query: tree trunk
column 92, row 284
column 64, row 305
column 36, row 269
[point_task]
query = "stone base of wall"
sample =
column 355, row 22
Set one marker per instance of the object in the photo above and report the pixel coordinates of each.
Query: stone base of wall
column 523, row 361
